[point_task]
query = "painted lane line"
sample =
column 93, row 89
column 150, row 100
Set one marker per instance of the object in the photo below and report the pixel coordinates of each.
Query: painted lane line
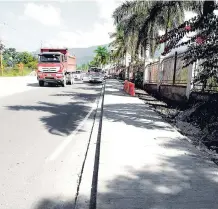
column 62, row 146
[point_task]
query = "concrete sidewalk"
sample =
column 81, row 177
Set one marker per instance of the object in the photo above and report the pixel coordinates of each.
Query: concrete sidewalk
column 146, row 164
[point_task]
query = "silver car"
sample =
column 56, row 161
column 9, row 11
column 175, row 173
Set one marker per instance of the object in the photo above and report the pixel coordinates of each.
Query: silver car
column 96, row 78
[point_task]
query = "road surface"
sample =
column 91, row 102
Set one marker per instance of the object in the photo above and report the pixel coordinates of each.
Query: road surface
column 44, row 137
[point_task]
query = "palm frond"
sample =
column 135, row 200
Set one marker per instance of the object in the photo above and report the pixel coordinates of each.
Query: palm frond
column 123, row 10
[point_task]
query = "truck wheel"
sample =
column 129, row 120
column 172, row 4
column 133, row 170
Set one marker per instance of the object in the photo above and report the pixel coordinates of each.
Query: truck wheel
column 41, row 83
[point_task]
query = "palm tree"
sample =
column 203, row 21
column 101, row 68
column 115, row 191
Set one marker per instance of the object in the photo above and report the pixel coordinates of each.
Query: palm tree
column 119, row 45
column 143, row 20
column 102, row 55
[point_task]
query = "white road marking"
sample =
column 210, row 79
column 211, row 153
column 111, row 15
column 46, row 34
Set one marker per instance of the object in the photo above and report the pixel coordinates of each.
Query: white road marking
column 62, row 146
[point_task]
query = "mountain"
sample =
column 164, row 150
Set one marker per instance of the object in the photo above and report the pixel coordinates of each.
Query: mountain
column 83, row 55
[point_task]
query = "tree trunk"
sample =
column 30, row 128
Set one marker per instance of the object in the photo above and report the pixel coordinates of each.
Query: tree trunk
column 146, row 62
column 166, row 29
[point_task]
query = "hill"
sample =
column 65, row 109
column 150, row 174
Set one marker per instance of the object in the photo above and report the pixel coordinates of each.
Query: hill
column 84, row 55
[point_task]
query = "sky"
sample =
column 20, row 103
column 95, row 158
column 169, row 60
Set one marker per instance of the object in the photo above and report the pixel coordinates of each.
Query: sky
column 25, row 25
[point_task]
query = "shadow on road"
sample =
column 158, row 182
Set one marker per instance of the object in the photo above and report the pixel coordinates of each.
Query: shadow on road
column 93, row 87
column 62, row 119
column 85, row 97
column 141, row 117
column 33, row 84
column 45, row 85
column 135, row 114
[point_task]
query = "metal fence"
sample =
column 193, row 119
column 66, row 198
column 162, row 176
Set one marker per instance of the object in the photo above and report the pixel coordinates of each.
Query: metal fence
column 170, row 71
column 210, row 85
column 173, row 72
column 181, row 73
column 153, row 72
column 167, row 67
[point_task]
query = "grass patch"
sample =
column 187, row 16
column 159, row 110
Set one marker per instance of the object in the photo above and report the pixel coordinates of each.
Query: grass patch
column 13, row 72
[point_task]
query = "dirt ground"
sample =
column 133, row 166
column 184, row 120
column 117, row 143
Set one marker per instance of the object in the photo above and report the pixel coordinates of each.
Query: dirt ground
column 199, row 122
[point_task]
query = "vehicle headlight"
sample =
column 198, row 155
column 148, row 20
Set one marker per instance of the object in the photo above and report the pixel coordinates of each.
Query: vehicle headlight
column 40, row 69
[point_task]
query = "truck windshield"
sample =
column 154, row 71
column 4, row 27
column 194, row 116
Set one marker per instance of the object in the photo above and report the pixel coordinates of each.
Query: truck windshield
column 49, row 58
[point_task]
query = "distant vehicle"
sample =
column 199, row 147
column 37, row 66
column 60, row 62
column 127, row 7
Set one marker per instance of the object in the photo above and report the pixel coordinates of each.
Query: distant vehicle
column 96, row 75
column 69, row 78
column 55, row 66
column 77, row 75
column 86, row 77
column 106, row 75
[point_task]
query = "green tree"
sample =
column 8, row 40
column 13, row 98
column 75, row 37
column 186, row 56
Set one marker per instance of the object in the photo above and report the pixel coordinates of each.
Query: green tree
column 94, row 62
column 10, row 56
column 32, row 65
column 101, row 56
column 83, row 66
column 119, row 45
column 25, row 57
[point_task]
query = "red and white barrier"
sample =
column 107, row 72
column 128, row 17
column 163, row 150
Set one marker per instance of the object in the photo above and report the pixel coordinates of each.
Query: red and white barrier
column 129, row 88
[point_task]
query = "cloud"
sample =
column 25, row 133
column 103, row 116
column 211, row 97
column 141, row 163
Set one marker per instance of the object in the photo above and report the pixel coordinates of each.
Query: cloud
column 106, row 8
column 98, row 36
column 46, row 14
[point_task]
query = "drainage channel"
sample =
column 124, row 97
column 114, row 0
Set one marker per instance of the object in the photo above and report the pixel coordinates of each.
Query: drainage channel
column 97, row 153
column 93, row 196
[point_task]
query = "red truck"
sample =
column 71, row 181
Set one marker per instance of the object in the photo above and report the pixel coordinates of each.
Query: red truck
column 56, row 66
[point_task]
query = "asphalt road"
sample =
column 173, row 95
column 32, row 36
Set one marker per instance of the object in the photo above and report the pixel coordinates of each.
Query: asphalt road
column 44, row 136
